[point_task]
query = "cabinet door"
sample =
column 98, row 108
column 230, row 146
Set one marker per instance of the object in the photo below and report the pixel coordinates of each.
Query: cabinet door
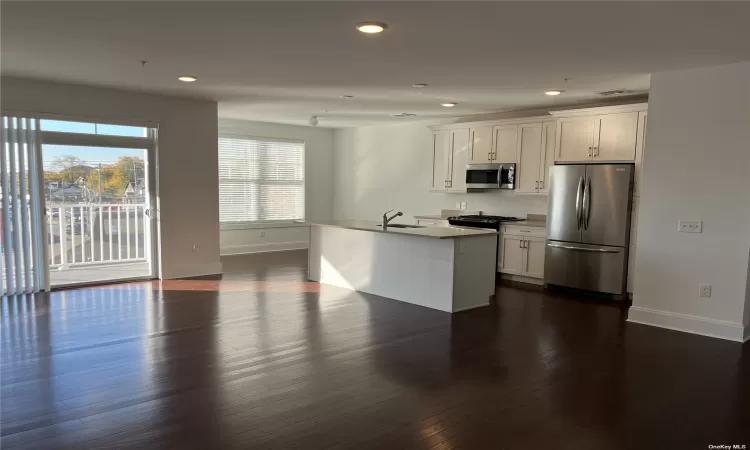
column 440, row 147
column 548, row 155
column 640, row 146
column 615, row 136
column 458, row 157
column 575, row 139
column 505, row 145
column 533, row 257
column 481, row 144
column 511, row 254
column 529, row 158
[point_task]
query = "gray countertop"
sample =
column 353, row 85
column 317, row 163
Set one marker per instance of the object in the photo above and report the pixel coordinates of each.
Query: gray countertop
column 429, row 232
column 431, row 217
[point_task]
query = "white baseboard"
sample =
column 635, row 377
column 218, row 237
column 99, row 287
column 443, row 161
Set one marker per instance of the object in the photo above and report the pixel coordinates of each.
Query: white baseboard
column 262, row 248
column 193, row 270
column 688, row 324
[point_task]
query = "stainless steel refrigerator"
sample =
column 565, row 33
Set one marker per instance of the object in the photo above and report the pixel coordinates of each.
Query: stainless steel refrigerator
column 588, row 226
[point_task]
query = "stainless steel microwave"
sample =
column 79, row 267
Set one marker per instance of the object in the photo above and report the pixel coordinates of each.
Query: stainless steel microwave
column 491, row 176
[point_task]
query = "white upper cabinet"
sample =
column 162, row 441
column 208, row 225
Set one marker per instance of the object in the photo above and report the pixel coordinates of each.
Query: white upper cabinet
column 615, row 136
column 575, row 139
column 480, row 141
column 458, row 156
column 536, row 148
column 548, row 155
column 606, row 134
column 440, row 140
column 529, row 158
column 599, row 134
column 640, row 146
column 505, row 143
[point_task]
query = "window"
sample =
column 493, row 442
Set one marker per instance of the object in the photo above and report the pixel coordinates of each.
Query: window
column 66, row 126
column 261, row 180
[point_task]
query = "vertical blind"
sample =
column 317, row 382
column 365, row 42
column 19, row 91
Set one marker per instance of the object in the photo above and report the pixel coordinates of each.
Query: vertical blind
column 22, row 245
column 261, row 180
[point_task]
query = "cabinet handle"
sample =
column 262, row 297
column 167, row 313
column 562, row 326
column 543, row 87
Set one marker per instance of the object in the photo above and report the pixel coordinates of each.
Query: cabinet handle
column 596, row 151
column 489, row 156
column 536, row 183
column 590, row 148
column 520, row 244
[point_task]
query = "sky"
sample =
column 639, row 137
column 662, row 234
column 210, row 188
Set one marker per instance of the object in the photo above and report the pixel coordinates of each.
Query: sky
column 92, row 155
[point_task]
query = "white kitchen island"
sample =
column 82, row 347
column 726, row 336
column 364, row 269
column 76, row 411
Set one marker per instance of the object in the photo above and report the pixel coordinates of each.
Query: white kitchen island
column 445, row 268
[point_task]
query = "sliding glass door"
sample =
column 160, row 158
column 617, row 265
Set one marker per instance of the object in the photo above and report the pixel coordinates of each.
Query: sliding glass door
column 95, row 191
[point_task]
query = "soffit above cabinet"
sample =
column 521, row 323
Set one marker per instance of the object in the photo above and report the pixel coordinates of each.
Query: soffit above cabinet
column 599, row 110
column 551, row 117
column 485, row 123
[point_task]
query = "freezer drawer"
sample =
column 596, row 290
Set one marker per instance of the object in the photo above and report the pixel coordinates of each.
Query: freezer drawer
column 582, row 266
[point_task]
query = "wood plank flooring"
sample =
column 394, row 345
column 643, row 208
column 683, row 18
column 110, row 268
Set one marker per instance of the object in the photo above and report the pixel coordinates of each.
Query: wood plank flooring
column 265, row 359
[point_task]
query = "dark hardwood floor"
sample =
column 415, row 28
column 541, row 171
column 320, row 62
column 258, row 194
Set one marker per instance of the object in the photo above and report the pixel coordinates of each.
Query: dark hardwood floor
column 266, row 359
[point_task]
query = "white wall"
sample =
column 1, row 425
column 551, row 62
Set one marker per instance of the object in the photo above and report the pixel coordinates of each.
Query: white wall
column 318, row 187
column 187, row 160
column 696, row 166
column 390, row 166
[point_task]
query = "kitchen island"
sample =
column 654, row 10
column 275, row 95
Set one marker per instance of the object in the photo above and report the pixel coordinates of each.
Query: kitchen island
column 446, row 268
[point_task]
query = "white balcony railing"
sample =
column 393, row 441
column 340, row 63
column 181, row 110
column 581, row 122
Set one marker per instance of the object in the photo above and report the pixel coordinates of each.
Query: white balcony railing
column 91, row 234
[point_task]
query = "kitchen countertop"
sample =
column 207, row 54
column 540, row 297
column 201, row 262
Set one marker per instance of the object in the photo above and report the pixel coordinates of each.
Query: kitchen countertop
column 433, row 217
column 429, row 232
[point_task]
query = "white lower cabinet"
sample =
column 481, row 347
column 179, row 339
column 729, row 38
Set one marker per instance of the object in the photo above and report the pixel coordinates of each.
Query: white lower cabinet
column 522, row 255
column 533, row 263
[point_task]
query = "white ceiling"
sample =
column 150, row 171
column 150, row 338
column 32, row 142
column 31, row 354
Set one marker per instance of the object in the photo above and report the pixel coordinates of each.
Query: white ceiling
column 284, row 61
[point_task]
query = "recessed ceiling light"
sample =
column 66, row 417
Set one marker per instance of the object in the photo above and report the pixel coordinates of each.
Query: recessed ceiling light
column 371, row 27
column 347, row 96
column 448, row 105
column 187, row 78
column 403, row 114
column 553, row 92
column 419, row 85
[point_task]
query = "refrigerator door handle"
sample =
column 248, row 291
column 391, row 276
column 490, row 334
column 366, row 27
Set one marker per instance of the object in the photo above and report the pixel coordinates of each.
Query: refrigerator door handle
column 586, row 204
column 578, row 203
column 583, row 249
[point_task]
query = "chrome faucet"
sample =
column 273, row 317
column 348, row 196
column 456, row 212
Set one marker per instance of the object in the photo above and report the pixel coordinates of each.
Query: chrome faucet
column 387, row 219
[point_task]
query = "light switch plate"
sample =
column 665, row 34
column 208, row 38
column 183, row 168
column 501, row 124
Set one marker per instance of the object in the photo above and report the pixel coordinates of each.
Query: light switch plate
column 704, row 290
column 463, row 206
column 690, row 226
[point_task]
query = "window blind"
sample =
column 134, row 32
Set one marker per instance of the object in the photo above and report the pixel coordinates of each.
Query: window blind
column 261, row 180
column 22, row 245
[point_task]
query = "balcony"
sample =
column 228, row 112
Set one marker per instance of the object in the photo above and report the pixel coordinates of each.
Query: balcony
column 90, row 243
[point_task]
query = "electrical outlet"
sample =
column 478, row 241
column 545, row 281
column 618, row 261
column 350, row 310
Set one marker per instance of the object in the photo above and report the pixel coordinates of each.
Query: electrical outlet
column 463, row 206
column 196, row 247
column 458, row 205
column 262, row 234
column 704, row 290
column 690, row 226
